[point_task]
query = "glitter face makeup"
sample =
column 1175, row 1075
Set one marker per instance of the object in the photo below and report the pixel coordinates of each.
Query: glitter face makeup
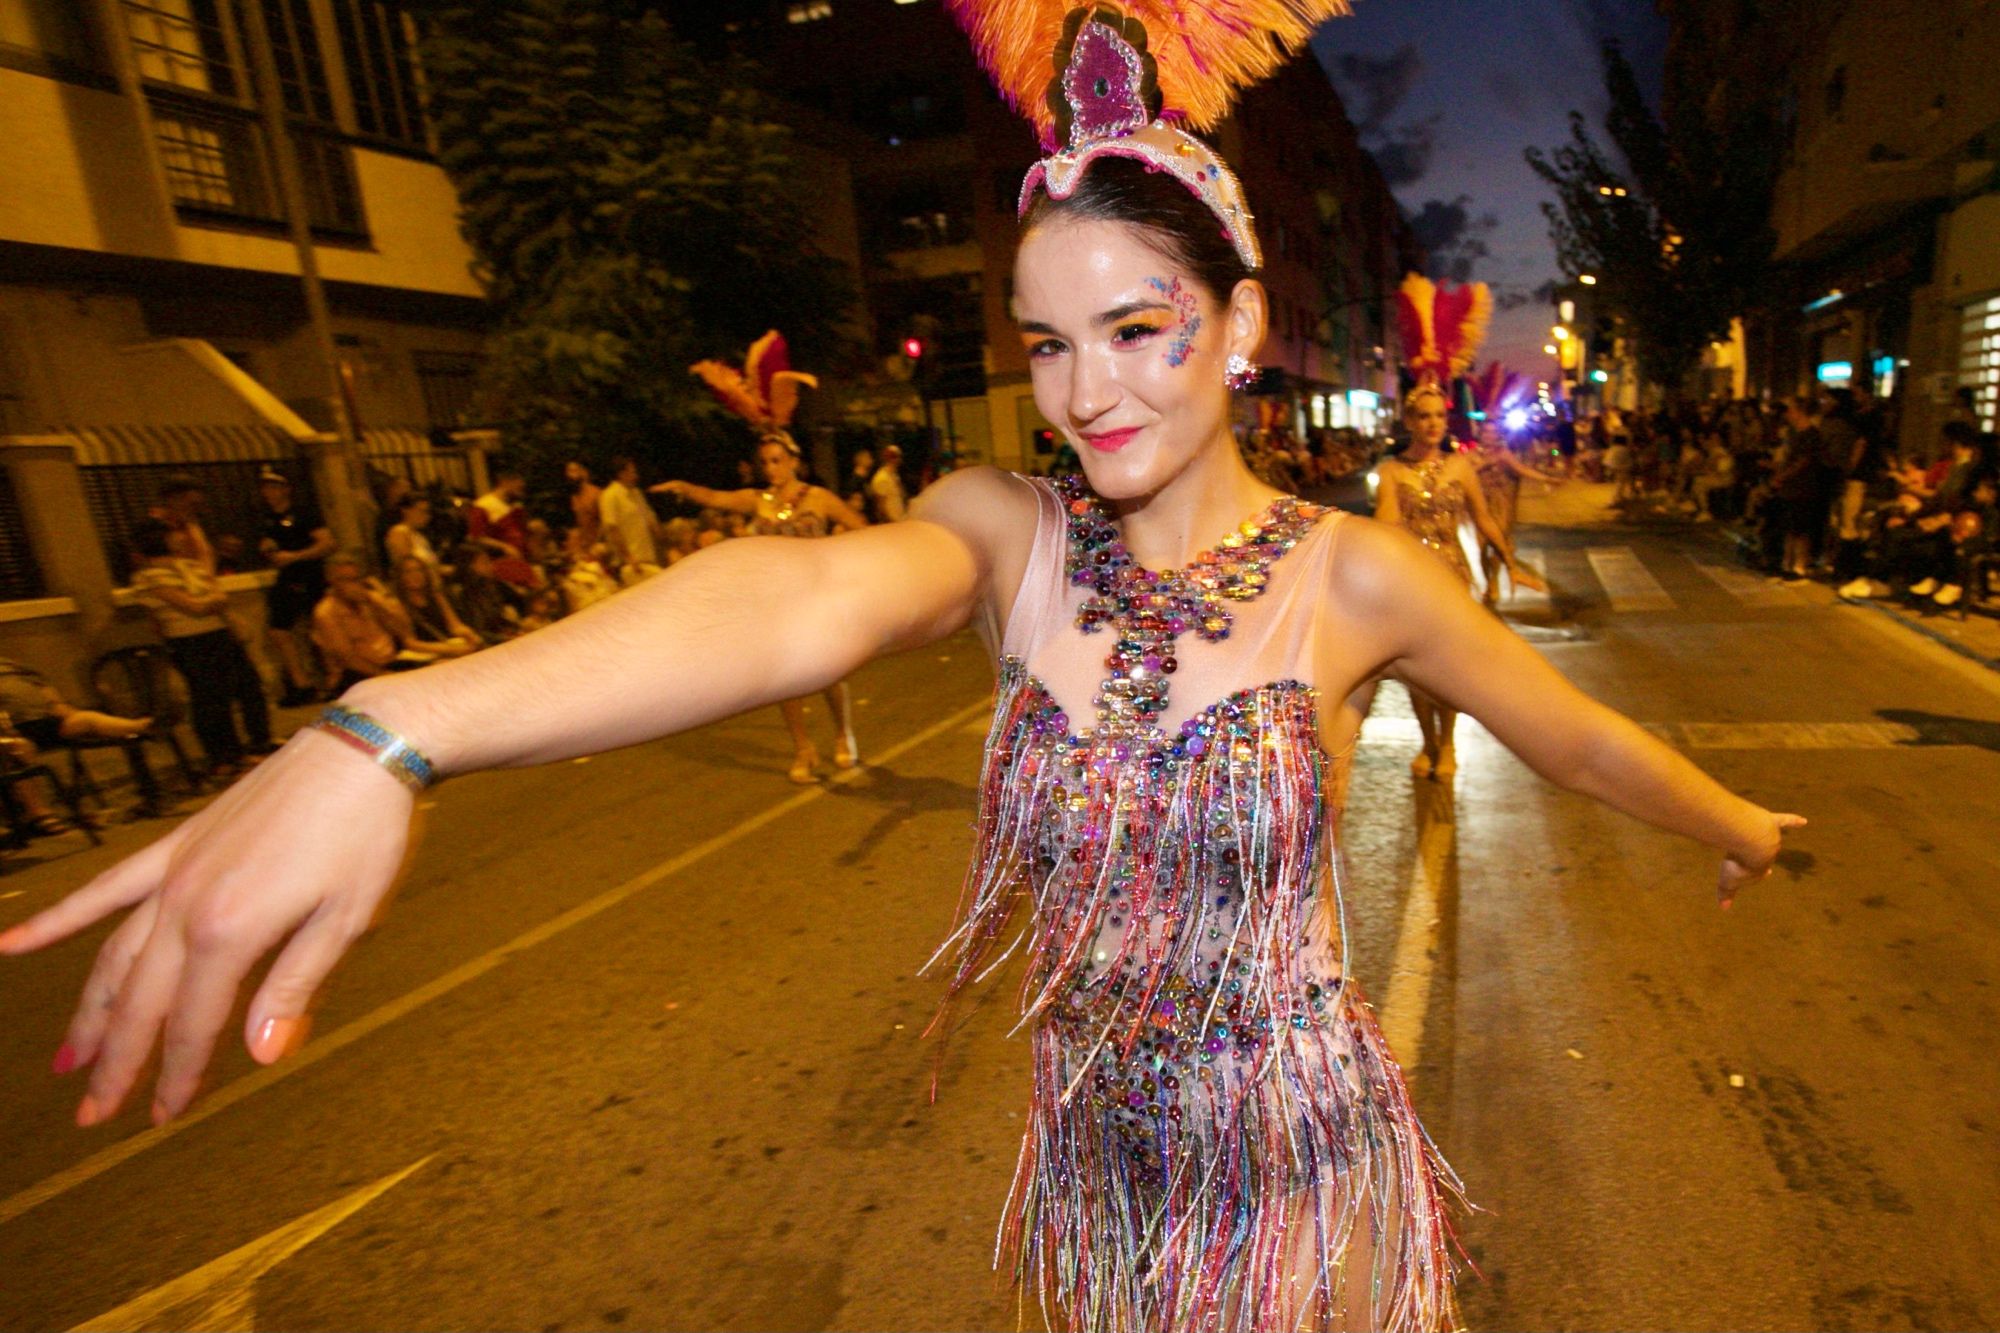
column 1189, row 319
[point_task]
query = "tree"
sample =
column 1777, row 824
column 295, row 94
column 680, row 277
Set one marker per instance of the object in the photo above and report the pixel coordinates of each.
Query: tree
column 1679, row 238
column 633, row 209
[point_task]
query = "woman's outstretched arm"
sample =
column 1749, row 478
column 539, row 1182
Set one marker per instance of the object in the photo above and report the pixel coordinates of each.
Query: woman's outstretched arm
column 1429, row 633
column 303, row 852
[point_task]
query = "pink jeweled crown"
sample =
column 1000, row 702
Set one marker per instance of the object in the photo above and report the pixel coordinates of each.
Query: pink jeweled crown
column 1115, row 94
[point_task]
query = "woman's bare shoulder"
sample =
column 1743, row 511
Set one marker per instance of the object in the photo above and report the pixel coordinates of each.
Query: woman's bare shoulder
column 994, row 511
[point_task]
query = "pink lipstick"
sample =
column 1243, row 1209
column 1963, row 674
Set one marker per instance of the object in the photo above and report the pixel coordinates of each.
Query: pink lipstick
column 1111, row 441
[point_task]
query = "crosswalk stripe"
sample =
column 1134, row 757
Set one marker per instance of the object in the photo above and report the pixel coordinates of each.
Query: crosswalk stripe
column 1518, row 595
column 1628, row 583
column 1785, row 735
column 1750, row 589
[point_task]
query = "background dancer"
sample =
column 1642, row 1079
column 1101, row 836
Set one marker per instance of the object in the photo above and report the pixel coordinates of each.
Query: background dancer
column 766, row 394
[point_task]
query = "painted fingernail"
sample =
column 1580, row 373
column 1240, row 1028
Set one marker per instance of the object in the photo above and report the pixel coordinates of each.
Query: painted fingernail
column 11, row 937
column 65, row 1059
column 279, row 1037
column 88, row 1113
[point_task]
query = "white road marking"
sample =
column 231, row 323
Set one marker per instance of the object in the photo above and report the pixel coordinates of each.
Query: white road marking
column 1751, row 589
column 340, row 1038
column 1629, row 584
column 1784, row 735
column 1402, row 1010
column 216, row 1297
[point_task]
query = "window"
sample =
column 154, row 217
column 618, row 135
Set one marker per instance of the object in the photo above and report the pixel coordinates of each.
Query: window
column 214, row 162
column 295, row 51
column 446, row 380
column 381, row 71
column 51, row 29
column 182, row 42
column 1979, row 359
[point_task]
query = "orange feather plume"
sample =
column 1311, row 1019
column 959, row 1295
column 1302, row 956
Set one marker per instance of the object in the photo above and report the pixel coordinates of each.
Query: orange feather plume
column 765, row 392
column 1205, row 52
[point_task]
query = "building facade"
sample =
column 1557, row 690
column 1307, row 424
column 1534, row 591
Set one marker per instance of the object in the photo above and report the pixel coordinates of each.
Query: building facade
column 1886, row 207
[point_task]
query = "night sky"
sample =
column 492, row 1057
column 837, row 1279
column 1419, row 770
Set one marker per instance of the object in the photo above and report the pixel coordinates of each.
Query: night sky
column 1447, row 93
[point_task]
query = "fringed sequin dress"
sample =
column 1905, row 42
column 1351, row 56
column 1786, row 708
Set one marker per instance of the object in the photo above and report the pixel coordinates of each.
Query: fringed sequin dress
column 1218, row 1138
column 1433, row 508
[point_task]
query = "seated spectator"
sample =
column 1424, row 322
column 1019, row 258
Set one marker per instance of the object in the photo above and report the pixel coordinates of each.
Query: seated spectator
column 187, row 608
column 430, row 625
column 483, row 601
column 409, row 538
column 545, row 607
column 1974, row 528
column 498, row 521
column 677, row 536
column 356, row 627
column 34, row 717
column 590, row 579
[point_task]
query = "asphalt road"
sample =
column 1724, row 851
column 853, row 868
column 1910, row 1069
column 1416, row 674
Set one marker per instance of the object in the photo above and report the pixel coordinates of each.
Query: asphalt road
column 639, row 1045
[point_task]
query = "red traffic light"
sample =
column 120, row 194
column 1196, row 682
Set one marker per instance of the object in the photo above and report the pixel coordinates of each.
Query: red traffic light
column 913, row 348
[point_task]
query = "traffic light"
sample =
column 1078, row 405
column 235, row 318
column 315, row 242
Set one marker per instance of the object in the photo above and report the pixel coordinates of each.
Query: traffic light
column 913, row 348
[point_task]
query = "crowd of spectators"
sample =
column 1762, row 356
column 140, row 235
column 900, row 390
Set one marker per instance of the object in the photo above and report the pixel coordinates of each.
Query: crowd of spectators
column 1819, row 487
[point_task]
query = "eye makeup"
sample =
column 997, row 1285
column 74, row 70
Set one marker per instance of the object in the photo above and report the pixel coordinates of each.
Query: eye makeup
column 1189, row 321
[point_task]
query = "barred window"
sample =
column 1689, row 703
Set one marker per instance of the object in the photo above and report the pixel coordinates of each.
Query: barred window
column 381, row 71
column 296, row 52
column 182, row 42
column 447, row 380
column 1979, row 359
column 214, row 161
column 20, row 576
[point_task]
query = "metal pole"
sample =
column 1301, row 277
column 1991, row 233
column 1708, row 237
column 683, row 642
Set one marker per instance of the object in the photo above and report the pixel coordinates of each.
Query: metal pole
column 336, row 464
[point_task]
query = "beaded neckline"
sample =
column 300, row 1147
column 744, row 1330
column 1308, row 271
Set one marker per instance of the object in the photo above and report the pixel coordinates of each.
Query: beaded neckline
column 1151, row 609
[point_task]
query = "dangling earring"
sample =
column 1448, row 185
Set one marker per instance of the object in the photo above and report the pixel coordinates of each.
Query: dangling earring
column 1239, row 372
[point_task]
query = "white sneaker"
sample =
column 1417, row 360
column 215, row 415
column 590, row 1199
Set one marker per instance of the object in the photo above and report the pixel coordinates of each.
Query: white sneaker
column 1877, row 588
column 1854, row 588
column 1949, row 595
column 1924, row 589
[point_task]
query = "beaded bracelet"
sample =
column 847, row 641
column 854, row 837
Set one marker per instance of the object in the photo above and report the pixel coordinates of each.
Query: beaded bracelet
column 402, row 760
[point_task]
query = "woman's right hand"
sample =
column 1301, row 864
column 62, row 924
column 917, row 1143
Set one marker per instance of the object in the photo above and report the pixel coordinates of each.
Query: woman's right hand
column 302, row 852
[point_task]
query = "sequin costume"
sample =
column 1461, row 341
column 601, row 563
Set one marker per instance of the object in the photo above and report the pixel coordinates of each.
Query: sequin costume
column 1433, row 508
column 1218, row 1138
column 775, row 518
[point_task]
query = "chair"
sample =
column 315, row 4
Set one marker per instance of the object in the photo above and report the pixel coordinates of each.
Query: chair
column 14, row 769
column 136, row 681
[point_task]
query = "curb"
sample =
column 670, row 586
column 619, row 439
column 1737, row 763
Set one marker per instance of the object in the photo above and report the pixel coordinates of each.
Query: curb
column 1912, row 622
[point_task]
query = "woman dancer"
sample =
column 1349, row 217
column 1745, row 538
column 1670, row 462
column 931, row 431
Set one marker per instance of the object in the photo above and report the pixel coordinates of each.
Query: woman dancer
column 1501, row 473
column 766, row 396
column 1217, row 1137
column 1433, row 493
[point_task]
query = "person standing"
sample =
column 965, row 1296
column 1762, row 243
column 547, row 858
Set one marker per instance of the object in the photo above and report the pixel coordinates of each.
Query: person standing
column 178, row 504
column 187, row 608
column 296, row 543
column 889, row 503
column 584, row 496
column 1799, row 488
column 631, row 528
column 858, row 476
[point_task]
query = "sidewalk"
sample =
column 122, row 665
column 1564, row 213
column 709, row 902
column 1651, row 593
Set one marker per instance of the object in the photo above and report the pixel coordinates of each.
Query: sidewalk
column 1582, row 504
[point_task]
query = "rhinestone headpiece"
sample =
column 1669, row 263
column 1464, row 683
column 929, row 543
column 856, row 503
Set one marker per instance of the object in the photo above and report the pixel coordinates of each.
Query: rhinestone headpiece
column 1106, row 102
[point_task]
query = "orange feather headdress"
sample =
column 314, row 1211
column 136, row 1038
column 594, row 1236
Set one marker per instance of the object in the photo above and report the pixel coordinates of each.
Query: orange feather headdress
column 1127, row 75
column 765, row 392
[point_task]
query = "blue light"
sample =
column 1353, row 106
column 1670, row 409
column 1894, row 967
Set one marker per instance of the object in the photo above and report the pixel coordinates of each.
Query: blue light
column 1517, row 418
column 1835, row 372
column 1367, row 398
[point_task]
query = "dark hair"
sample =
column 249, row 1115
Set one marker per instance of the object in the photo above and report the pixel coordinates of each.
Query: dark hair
column 1960, row 432
column 149, row 537
column 412, row 500
column 1175, row 221
column 180, row 483
column 619, row 462
column 508, row 474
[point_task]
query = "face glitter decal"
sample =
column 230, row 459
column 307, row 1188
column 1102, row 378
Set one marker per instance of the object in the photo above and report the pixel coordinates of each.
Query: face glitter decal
column 1183, row 302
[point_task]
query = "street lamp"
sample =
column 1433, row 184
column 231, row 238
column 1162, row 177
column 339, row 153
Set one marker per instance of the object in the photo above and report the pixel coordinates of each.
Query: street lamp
column 1587, row 279
column 1560, row 333
column 1549, row 348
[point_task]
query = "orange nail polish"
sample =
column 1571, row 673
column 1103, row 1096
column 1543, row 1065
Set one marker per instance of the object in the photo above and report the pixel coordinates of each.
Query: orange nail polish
column 87, row 1113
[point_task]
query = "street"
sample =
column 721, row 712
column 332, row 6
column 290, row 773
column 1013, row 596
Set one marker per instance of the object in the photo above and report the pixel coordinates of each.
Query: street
column 639, row 1045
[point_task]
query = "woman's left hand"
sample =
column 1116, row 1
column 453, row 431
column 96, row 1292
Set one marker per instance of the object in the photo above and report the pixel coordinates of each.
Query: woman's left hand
column 1527, row 578
column 1741, row 869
